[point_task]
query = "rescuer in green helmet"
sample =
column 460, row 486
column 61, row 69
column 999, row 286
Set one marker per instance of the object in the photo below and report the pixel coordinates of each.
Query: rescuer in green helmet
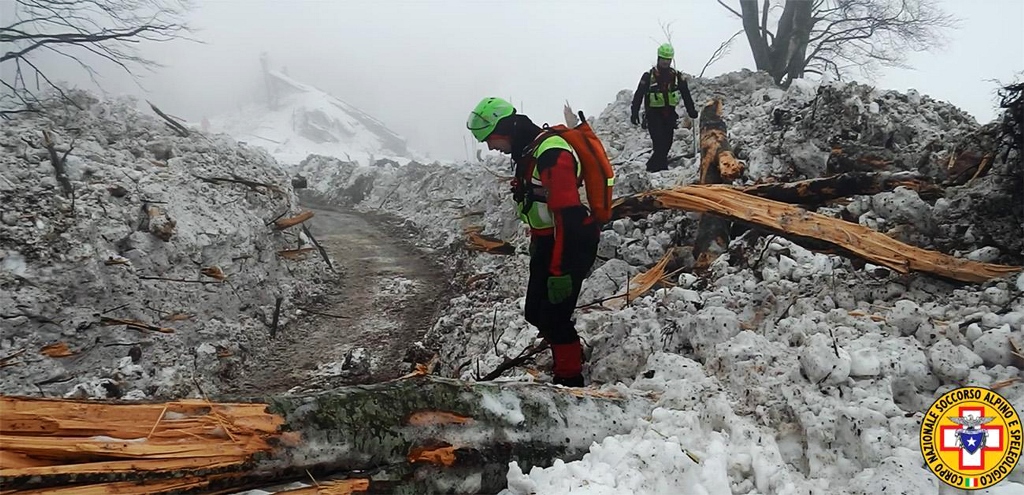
column 563, row 234
column 660, row 91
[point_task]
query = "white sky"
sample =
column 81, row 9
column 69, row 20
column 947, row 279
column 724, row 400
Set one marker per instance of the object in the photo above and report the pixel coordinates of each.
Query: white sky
column 420, row 66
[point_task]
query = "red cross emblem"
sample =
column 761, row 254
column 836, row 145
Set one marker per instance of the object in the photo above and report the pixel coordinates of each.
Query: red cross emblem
column 951, row 440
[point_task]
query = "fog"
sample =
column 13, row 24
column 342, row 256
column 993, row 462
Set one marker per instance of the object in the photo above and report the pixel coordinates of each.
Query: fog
column 420, row 66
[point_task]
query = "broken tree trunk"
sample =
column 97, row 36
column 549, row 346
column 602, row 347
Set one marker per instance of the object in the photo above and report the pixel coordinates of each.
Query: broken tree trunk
column 422, row 434
column 852, row 157
column 717, row 165
column 800, row 225
column 816, row 192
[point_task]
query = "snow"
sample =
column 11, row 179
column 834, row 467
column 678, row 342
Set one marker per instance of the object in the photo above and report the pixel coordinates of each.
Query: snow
column 504, row 405
column 781, row 370
column 142, row 220
column 308, row 121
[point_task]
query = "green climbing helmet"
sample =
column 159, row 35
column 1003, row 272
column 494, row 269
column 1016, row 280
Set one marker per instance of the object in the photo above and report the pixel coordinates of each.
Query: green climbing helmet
column 484, row 118
column 666, row 51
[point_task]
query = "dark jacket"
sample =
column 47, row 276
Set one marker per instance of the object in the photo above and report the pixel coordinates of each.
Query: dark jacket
column 665, row 80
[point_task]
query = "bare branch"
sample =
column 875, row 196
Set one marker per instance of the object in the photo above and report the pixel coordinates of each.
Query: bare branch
column 723, row 50
column 837, row 36
column 730, row 9
column 109, row 29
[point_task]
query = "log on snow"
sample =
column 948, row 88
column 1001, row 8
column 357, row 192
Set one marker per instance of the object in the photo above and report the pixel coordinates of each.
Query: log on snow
column 816, row 192
column 434, row 432
column 419, row 433
column 798, row 224
column 852, row 157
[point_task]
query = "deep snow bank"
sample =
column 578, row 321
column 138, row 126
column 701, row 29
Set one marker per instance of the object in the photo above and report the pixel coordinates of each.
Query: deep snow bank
column 781, row 370
column 149, row 216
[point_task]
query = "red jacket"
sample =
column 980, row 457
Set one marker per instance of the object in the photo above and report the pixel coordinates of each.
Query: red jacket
column 557, row 171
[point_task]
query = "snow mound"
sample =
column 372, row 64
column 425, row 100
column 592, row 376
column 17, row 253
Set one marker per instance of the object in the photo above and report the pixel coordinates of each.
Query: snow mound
column 160, row 273
column 780, row 370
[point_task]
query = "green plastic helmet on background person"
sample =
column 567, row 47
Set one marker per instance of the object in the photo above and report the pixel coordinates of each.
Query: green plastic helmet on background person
column 666, row 51
column 484, row 118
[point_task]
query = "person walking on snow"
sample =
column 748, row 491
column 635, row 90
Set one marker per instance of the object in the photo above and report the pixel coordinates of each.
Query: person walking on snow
column 659, row 91
column 563, row 234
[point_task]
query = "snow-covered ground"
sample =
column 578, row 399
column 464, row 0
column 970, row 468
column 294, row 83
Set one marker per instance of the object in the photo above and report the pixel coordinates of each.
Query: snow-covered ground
column 156, row 233
column 780, row 370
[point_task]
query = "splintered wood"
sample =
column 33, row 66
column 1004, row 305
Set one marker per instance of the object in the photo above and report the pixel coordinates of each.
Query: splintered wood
column 284, row 223
column 77, row 441
column 60, row 349
column 339, row 487
column 641, row 283
column 487, row 244
column 442, row 456
column 856, row 239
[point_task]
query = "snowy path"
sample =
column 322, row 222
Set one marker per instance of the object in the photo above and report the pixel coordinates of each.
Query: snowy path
column 386, row 293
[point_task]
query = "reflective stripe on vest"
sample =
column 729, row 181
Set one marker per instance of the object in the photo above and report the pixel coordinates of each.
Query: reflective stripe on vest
column 537, row 215
column 656, row 97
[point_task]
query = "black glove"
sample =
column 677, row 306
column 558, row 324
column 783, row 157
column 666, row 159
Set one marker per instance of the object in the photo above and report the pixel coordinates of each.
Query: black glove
column 634, row 118
column 643, row 123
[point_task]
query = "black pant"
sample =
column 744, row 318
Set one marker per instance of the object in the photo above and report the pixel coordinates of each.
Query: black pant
column 661, row 125
column 554, row 321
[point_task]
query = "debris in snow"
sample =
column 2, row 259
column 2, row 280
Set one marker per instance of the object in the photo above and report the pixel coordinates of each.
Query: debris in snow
column 875, row 346
column 777, row 370
column 143, row 240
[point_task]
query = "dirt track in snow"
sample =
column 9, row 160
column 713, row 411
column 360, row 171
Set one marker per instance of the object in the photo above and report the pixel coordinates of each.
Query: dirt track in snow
column 387, row 297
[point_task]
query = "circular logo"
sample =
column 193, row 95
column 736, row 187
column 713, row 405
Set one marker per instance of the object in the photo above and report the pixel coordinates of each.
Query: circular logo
column 971, row 438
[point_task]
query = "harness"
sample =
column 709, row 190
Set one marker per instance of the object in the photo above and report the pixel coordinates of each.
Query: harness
column 658, row 97
column 528, row 192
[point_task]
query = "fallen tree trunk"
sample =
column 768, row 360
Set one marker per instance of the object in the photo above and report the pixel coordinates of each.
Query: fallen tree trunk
column 816, row 192
column 421, row 433
column 798, row 224
column 717, row 165
column 852, row 157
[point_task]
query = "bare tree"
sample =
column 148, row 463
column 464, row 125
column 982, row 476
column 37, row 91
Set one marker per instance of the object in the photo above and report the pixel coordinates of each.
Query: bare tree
column 108, row 29
column 837, row 36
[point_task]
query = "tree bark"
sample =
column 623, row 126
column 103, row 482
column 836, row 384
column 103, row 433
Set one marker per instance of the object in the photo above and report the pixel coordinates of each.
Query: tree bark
column 812, row 193
column 753, row 29
column 852, row 157
column 717, row 164
column 796, row 48
column 421, row 433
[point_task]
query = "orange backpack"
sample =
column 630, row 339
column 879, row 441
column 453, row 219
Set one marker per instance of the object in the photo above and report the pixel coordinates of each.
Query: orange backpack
column 595, row 168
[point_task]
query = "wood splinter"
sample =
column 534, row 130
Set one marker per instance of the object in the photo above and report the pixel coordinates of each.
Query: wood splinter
column 284, row 223
column 138, row 325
